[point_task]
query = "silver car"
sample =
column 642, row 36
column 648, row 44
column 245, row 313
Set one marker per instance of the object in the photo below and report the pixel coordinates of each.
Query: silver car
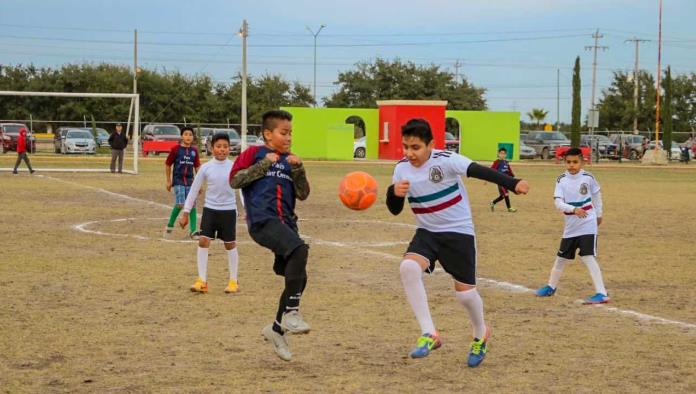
column 526, row 152
column 78, row 141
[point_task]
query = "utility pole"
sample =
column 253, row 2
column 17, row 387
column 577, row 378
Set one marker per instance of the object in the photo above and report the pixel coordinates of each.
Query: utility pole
column 457, row 65
column 315, row 58
column 593, row 109
column 244, row 33
column 135, row 61
column 635, row 82
column 659, row 78
column 558, row 99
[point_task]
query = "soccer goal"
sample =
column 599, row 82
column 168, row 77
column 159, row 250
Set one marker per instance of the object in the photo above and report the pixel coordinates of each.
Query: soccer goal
column 69, row 146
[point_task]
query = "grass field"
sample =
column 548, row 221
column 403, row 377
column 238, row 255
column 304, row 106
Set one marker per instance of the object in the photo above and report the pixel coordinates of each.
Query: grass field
column 96, row 301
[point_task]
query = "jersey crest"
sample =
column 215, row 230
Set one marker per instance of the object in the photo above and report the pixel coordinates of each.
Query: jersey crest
column 583, row 188
column 436, row 174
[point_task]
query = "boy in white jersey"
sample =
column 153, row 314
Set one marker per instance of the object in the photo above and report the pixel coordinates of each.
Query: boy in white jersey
column 578, row 197
column 219, row 212
column 431, row 179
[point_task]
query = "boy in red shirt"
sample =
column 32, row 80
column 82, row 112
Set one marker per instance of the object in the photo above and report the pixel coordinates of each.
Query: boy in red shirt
column 185, row 160
column 22, row 151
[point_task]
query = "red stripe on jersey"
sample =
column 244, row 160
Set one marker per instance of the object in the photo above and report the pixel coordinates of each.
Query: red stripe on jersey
column 438, row 207
column 585, row 208
column 279, row 197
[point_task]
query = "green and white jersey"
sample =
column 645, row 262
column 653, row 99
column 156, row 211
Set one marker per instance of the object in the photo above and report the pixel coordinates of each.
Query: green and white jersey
column 578, row 191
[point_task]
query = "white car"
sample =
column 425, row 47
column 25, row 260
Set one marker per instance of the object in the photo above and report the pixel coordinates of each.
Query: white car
column 359, row 148
column 78, row 141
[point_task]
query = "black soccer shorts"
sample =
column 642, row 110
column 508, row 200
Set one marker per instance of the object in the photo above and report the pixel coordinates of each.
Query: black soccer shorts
column 219, row 224
column 456, row 252
column 586, row 243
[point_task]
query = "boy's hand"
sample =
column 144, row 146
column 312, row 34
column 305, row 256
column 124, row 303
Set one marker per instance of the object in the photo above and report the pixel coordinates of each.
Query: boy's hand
column 294, row 160
column 183, row 220
column 522, row 187
column 401, row 188
column 273, row 157
column 599, row 221
column 579, row 212
column 169, row 186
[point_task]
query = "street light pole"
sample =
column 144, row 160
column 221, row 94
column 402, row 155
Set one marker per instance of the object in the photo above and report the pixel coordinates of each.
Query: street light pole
column 315, row 58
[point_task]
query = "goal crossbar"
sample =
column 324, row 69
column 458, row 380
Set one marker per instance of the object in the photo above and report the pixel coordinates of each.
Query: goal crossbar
column 135, row 106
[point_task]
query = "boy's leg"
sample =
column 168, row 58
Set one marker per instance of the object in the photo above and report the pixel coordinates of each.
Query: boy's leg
column 411, row 271
column 174, row 214
column 588, row 251
column 26, row 160
column 203, row 258
column 507, row 202
column 497, row 200
column 566, row 254
column 19, row 160
column 193, row 220
column 557, row 271
column 295, row 282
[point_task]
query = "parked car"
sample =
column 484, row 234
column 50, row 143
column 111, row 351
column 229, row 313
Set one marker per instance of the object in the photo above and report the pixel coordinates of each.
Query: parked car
column 545, row 143
column 161, row 132
column 78, row 140
column 632, row 145
column 102, row 136
column 235, row 141
column 451, row 142
column 601, row 144
column 526, row 152
column 253, row 140
column 58, row 134
column 359, row 148
column 9, row 132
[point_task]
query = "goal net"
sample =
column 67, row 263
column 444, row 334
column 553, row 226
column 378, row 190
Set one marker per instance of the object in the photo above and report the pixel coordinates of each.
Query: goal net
column 72, row 145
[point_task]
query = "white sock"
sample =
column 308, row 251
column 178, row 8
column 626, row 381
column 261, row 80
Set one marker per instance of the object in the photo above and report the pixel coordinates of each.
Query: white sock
column 233, row 259
column 203, row 263
column 557, row 270
column 412, row 279
column 471, row 300
column 595, row 273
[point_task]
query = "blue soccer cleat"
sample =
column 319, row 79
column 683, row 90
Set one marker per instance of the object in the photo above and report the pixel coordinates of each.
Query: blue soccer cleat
column 598, row 298
column 479, row 348
column 426, row 343
column 546, row 291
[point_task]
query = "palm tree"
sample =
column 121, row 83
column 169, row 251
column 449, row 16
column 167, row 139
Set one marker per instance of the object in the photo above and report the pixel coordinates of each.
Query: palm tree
column 537, row 115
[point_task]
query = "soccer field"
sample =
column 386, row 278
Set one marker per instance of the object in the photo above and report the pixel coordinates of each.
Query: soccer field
column 96, row 301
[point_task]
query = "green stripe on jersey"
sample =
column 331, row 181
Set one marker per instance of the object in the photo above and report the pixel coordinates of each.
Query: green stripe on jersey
column 581, row 203
column 436, row 195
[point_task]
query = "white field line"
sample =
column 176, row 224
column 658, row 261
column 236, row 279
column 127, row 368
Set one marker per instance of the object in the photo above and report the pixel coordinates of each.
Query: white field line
column 512, row 287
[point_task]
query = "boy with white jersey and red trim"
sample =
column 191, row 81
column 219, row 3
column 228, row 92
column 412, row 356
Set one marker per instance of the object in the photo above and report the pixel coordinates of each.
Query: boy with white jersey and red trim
column 219, row 212
column 578, row 197
column 431, row 180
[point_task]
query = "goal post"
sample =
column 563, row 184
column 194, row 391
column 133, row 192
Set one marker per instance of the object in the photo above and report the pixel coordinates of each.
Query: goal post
column 134, row 111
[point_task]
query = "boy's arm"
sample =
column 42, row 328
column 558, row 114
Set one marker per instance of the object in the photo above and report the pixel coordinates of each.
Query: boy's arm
column 193, row 193
column 562, row 206
column 395, row 204
column 245, row 171
column 597, row 202
column 478, row 171
column 299, row 179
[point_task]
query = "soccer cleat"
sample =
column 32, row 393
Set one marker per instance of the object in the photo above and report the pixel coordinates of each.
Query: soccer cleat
column 512, row 210
column 200, row 286
column 280, row 344
column 425, row 344
column 167, row 232
column 492, row 205
column 292, row 322
column 195, row 235
column 546, row 291
column 232, row 286
column 479, row 348
column 598, row 298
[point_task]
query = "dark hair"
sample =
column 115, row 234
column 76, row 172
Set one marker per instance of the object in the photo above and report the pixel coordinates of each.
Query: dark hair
column 417, row 128
column 270, row 119
column 219, row 136
column 502, row 150
column 573, row 152
column 189, row 128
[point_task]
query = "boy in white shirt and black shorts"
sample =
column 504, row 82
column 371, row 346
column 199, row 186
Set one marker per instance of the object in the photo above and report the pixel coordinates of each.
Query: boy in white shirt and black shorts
column 577, row 196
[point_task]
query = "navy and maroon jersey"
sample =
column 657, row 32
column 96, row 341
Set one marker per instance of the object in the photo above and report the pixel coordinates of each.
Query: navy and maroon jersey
column 272, row 196
column 184, row 160
column 503, row 166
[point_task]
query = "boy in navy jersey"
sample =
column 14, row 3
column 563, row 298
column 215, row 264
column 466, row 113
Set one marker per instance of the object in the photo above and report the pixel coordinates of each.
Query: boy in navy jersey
column 503, row 166
column 185, row 160
column 271, row 179
column 431, row 180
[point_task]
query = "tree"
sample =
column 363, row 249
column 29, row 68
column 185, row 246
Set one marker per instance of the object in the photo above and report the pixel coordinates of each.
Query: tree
column 537, row 115
column 684, row 102
column 667, row 113
column 616, row 107
column 385, row 80
column 575, row 114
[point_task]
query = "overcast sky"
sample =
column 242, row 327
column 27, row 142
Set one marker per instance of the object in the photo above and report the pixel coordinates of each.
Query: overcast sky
column 510, row 47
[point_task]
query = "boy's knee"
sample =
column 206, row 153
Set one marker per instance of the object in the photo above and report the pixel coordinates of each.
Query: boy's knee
column 297, row 262
column 410, row 269
column 204, row 242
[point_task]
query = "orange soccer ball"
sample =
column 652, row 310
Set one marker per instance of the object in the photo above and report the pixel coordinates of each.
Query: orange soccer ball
column 358, row 190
